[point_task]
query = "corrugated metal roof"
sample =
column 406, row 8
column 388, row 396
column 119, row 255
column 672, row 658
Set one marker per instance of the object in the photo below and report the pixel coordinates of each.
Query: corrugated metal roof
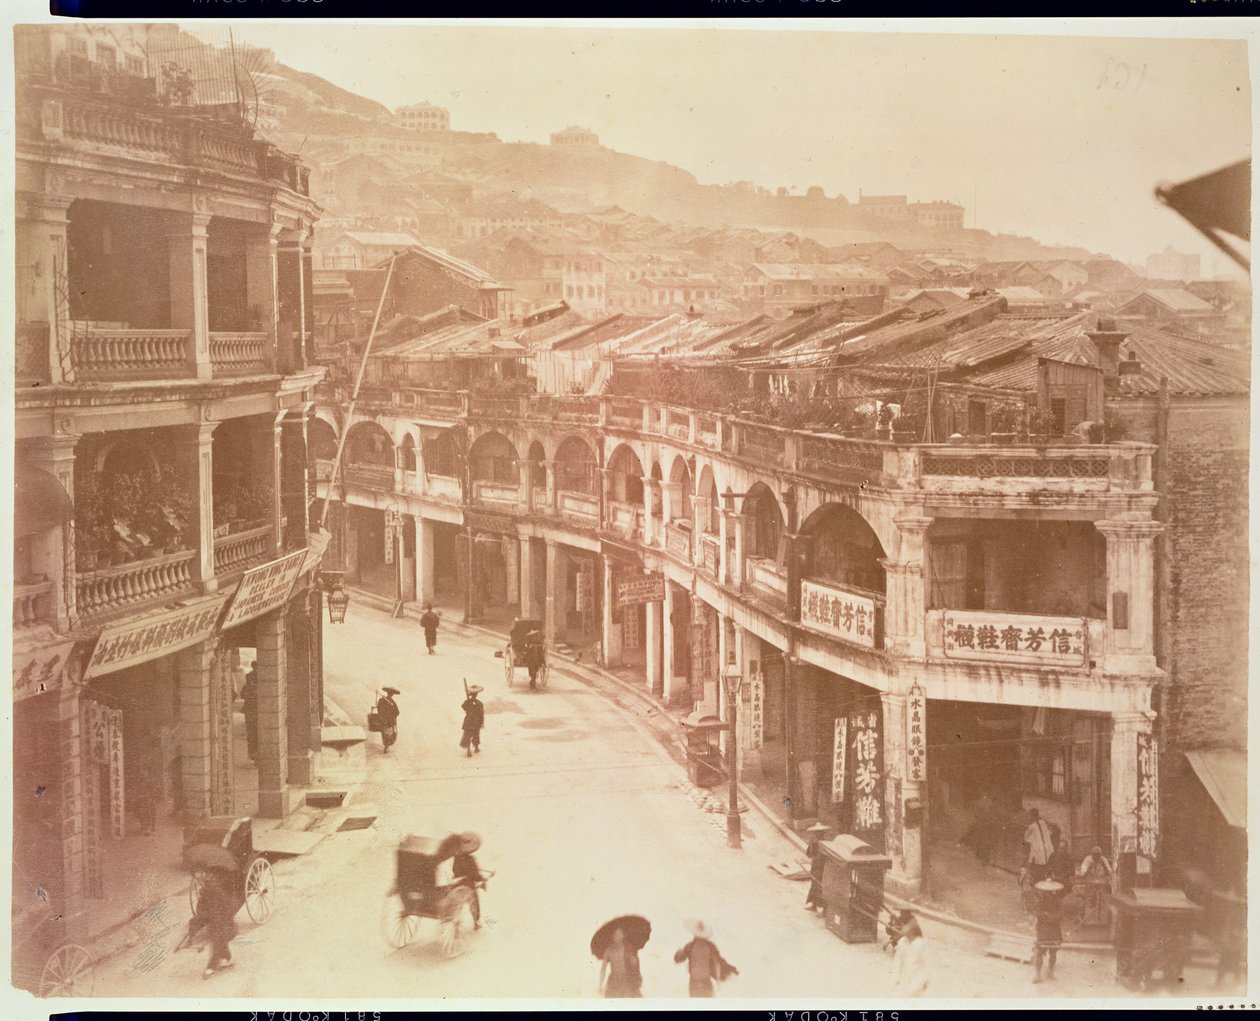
column 1177, row 300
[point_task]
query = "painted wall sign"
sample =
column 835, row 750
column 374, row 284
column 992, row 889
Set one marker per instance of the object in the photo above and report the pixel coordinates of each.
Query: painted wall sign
column 867, row 776
column 264, row 589
column 756, row 709
column 916, row 733
column 138, row 641
column 646, row 588
column 38, row 670
column 1014, row 637
column 839, row 613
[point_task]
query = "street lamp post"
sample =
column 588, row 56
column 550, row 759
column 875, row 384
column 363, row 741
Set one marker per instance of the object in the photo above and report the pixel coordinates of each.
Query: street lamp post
column 734, row 681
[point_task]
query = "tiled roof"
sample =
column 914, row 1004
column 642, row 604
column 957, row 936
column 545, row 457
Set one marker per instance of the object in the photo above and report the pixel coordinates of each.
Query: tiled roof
column 1177, row 300
column 817, row 271
column 448, row 261
column 380, row 240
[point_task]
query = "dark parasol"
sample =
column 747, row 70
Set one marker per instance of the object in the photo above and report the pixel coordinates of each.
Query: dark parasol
column 210, row 856
column 636, row 928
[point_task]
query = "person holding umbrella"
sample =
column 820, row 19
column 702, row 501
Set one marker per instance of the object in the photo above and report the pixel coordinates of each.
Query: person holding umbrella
column 429, row 622
column 218, row 901
column 704, row 964
column 474, row 719
column 817, row 834
column 387, row 712
column 617, row 945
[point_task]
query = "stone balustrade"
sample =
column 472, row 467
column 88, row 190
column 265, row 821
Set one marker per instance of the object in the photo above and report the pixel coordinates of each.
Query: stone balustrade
column 445, row 487
column 497, row 493
column 31, row 602
column 116, row 355
column 579, row 506
column 125, row 585
column 372, row 476
column 239, row 354
column 240, row 549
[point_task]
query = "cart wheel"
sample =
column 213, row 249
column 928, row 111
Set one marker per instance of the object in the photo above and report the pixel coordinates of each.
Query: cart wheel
column 67, row 973
column 542, row 675
column 195, row 886
column 455, row 925
column 399, row 925
column 260, row 890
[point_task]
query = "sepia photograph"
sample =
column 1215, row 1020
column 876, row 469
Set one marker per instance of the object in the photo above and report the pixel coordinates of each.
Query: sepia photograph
column 746, row 511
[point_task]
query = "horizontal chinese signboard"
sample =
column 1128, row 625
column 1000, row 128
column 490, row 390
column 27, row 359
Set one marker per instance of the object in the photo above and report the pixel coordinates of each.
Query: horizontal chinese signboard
column 479, row 521
column 647, row 588
column 139, row 641
column 678, row 542
column 38, row 670
column 264, row 588
column 838, row 613
column 1014, row 637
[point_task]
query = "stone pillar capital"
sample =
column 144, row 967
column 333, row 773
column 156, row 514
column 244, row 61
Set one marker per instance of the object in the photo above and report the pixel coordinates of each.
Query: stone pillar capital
column 46, row 207
column 911, row 523
column 193, row 226
column 1120, row 528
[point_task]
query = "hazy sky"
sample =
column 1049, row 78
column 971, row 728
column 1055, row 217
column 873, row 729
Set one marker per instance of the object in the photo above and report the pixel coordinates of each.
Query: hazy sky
column 1061, row 138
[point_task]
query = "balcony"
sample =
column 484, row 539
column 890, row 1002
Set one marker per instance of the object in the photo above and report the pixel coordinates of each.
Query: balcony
column 445, row 487
column 710, row 554
column 240, row 354
column 113, row 589
column 764, row 574
column 122, row 354
column 504, row 495
column 1088, row 468
column 238, row 550
column 626, row 519
column 370, row 476
column 678, row 541
column 31, row 602
column 580, row 507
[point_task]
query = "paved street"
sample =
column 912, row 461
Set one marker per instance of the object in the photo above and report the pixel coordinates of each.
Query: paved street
column 582, row 816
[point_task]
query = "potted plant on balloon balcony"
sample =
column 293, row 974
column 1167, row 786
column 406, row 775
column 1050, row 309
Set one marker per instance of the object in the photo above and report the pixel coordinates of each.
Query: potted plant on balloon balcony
column 1041, row 427
column 1003, row 423
column 883, row 422
column 908, row 427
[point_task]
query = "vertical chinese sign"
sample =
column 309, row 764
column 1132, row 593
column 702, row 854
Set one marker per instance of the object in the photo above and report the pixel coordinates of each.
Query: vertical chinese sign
column 117, row 803
column 838, row 748
column 916, row 734
column 95, row 755
column 756, row 708
column 867, row 776
column 222, row 696
column 1147, row 795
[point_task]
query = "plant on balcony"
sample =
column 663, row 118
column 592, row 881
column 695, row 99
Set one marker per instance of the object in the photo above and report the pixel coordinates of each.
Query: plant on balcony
column 1041, row 425
column 1115, row 428
column 1004, row 422
column 859, row 423
column 242, row 504
column 908, row 426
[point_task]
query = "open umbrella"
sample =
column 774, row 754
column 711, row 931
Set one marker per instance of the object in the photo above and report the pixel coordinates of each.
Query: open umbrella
column 210, row 856
column 636, row 928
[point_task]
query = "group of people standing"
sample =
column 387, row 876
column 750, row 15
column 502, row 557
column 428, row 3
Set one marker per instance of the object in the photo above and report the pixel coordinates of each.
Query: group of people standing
column 620, row 975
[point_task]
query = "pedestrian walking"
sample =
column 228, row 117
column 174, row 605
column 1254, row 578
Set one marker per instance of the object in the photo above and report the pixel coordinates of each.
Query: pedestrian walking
column 249, row 705
column 533, row 660
column 705, row 965
column 387, row 714
column 1059, row 865
column 216, row 915
column 1049, row 927
column 429, row 621
column 910, row 968
column 466, row 872
column 981, row 835
column 1038, row 839
column 619, row 973
column 813, row 851
column 474, row 720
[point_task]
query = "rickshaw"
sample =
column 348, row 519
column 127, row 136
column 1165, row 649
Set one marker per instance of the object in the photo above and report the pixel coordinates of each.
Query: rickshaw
column 43, row 961
column 416, row 894
column 252, row 870
column 525, row 632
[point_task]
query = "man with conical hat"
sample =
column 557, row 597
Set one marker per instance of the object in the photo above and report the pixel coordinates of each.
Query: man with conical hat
column 704, row 964
column 1049, row 926
column 467, row 873
column 474, row 720
column 817, row 834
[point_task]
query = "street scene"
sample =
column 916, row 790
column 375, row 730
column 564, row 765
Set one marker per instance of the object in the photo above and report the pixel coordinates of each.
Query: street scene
column 461, row 553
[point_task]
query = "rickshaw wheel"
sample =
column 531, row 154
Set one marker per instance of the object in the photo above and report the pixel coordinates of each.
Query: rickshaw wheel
column 195, row 885
column 542, row 676
column 260, row 890
column 68, row 972
column 455, row 926
column 399, row 925
column 509, row 667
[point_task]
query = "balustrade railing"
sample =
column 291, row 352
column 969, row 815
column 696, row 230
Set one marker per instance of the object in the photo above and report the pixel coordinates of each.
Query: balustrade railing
column 626, row 519
column 710, row 551
column 494, row 407
column 115, row 355
column 126, row 585
column 625, row 413
column 374, row 476
column 678, row 424
column 581, row 506
column 831, row 455
column 31, row 602
column 762, row 441
column 576, row 409
column 238, row 354
column 446, row 486
column 678, row 541
column 496, row 492
column 234, row 551
column 1030, row 462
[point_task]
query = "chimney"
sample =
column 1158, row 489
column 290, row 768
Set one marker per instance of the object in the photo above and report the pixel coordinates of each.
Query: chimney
column 1107, row 340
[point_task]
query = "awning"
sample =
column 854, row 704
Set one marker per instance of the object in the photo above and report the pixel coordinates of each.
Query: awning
column 1223, row 773
column 39, row 502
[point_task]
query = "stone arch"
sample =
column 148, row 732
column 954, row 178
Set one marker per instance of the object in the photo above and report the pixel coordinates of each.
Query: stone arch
column 709, row 502
column 680, row 474
column 843, row 548
column 763, row 523
column 492, row 458
column 576, row 466
column 439, row 454
column 126, row 455
column 330, row 420
column 407, row 453
column 537, row 457
column 323, row 440
column 368, row 443
column 627, row 475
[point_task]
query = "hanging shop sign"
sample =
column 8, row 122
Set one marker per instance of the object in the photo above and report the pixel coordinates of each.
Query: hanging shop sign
column 916, row 733
column 1147, row 795
column 479, row 521
column 117, row 794
column 647, row 588
column 756, row 707
column 168, row 631
column 93, row 874
column 1014, row 637
column 96, row 732
column 583, row 581
column 38, row 670
column 678, row 542
column 838, row 750
column 221, row 802
column 839, row 613
column 866, row 777
column 264, row 588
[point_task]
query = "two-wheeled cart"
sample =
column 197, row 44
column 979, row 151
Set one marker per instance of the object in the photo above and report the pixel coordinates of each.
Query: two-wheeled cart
column 525, row 640
column 417, row 893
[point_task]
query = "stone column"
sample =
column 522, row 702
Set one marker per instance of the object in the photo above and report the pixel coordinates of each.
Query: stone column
column 70, row 742
column 260, row 284
column 649, row 511
column 195, row 729
column 670, row 504
column 1125, row 728
column 551, row 487
column 904, row 577
column 737, row 568
column 1131, row 592
column 43, row 252
column 273, row 698
column 512, row 568
column 609, row 641
column 529, row 571
column 294, row 493
column 904, row 843
column 606, row 497
column 195, row 445
column 264, row 459
column 53, row 551
column 424, row 561
column 668, row 687
column 652, row 638
column 298, row 689
column 551, row 608
column 525, row 482
column 190, row 303
column 291, row 310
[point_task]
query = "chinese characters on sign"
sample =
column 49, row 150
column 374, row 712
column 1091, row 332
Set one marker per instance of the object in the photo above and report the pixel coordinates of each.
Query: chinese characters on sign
column 647, row 588
column 117, row 804
column 709, row 554
column 1013, row 637
column 837, row 760
column 836, row 612
column 756, row 708
column 264, row 588
column 678, row 542
column 95, row 731
column 1148, row 795
column 916, row 733
column 868, row 790
column 40, row 670
column 583, row 589
column 126, row 645
column 221, row 691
